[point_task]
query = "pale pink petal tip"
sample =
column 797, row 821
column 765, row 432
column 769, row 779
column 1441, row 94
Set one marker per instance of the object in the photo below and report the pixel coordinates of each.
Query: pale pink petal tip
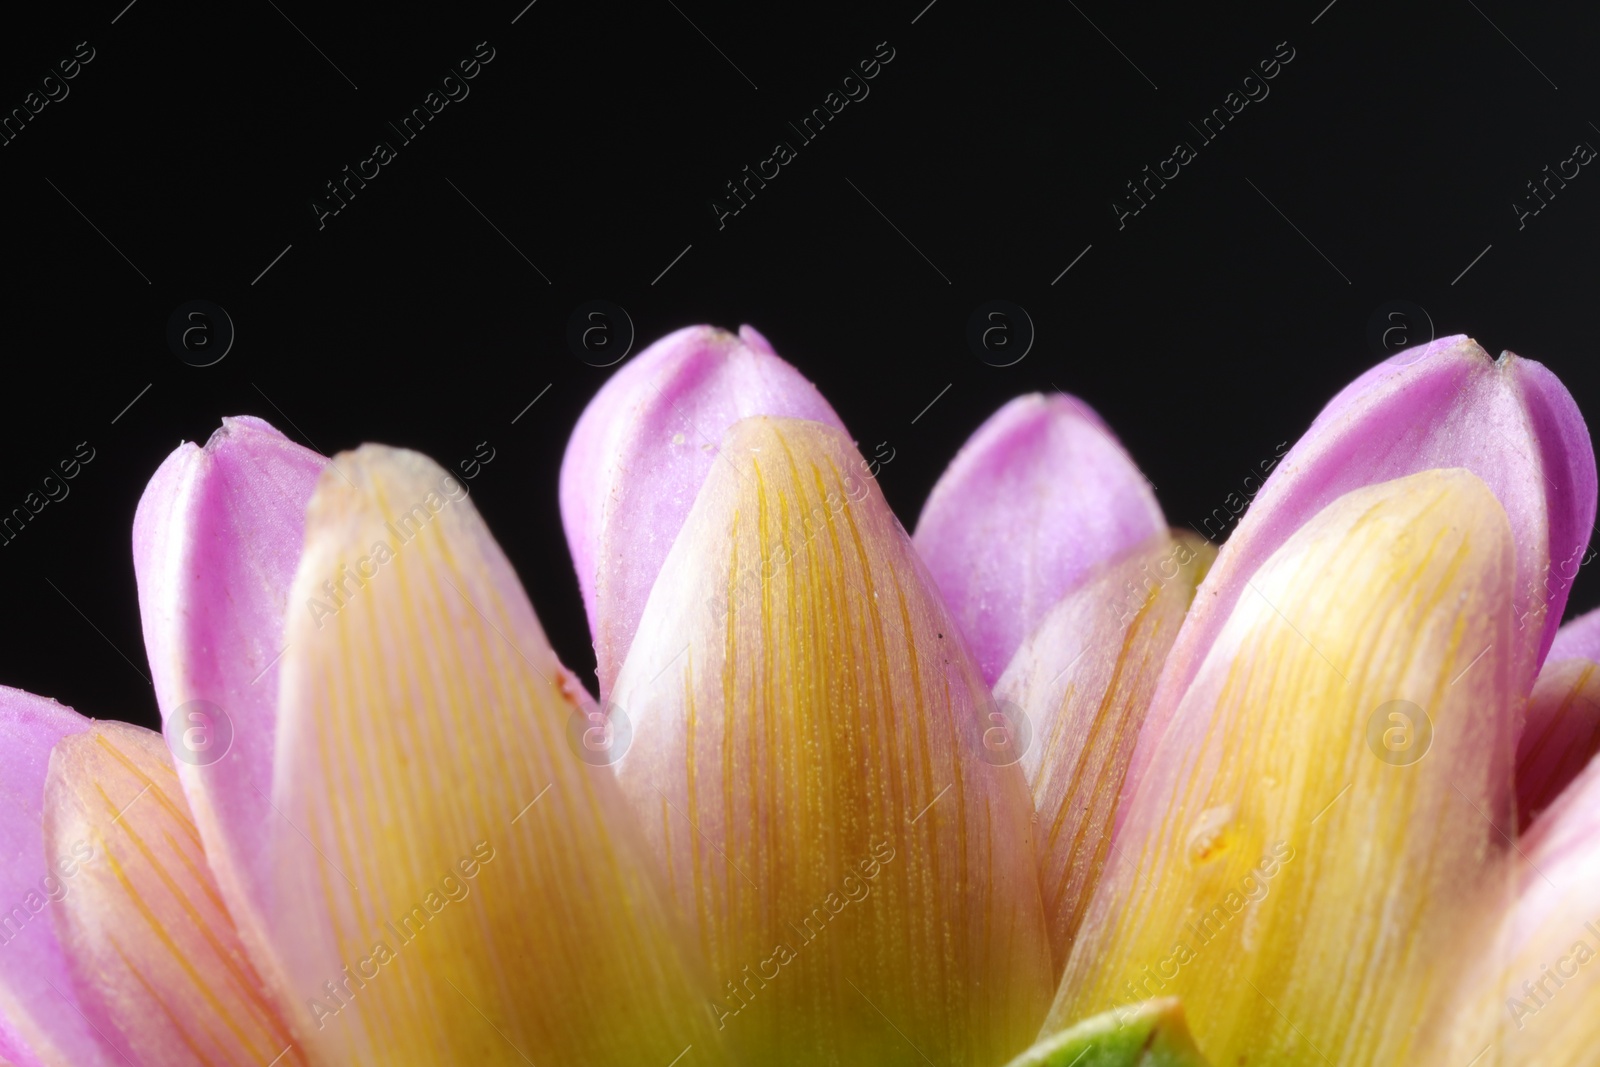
column 756, row 339
column 216, row 540
column 1445, row 404
column 1036, row 498
column 640, row 453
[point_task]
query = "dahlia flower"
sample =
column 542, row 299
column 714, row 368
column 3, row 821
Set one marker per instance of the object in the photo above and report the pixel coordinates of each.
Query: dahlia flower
column 1046, row 783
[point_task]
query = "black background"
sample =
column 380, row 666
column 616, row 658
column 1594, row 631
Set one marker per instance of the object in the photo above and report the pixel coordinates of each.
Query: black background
column 1206, row 331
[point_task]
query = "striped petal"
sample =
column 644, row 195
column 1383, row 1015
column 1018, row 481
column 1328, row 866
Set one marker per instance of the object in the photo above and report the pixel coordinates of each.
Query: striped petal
column 1082, row 682
column 1532, row 976
column 453, row 883
column 809, row 765
column 1304, row 850
column 215, row 542
column 640, row 453
column 1040, row 494
column 158, row 963
column 41, row 1013
column 1445, row 404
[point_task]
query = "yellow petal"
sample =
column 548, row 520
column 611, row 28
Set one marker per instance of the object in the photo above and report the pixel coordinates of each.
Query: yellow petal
column 1083, row 681
column 455, row 886
column 808, row 760
column 1334, row 784
column 157, row 960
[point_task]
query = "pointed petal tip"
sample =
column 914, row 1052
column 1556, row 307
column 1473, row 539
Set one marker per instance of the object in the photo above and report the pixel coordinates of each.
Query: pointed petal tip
column 640, row 452
column 433, row 647
column 810, row 730
column 242, row 427
column 1442, row 405
column 994, row 530
column 756, row 339
column 1284, row 747
column 217, row 536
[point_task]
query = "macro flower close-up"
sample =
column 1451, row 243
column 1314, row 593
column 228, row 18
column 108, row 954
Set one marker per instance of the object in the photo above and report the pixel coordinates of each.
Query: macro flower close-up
column 1046, row 781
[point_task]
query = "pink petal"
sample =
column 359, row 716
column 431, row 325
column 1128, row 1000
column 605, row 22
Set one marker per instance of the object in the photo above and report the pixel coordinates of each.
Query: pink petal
column 1527, row 991
column 1445, row 404
column 41, row 1014
column 1563, row 723
column 215, row 543
column 1578, row 639
column 1562, row 733
column 1041, row 493
column 642, row 449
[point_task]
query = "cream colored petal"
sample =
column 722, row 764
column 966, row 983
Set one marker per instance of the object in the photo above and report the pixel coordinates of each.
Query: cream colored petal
column 1335, row 786
column 1530, row 972
column 155, row 955
column 455, row 886
column 808, row 761
column 1082, row 682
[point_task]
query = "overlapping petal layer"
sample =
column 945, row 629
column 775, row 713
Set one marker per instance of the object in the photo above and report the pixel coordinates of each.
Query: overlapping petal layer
column 1316, row 828
column 1082, row 682
column 1531, row 972
column 157, row 960
column 640, row 453
column 216, row 540
column 1562, row 733
column 453, row 885
column 41, row 1013
column 809, row 767
column 1563, row 724
column 1442, row 405
column 1040, row 494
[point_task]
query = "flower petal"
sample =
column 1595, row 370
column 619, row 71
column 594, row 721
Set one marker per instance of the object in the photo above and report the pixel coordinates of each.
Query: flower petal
column 41, row 1020
column 1561, row 736
column 642, row 449
column 808, row 740
column 1041, row 493
column 1083, row 681
column 1333, row 789
column 1578, row 639
column 157, row 961
column 1530, row 980
column 452, row 884
column 1563, row 723
column 1445, row 404
column 215, row 542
